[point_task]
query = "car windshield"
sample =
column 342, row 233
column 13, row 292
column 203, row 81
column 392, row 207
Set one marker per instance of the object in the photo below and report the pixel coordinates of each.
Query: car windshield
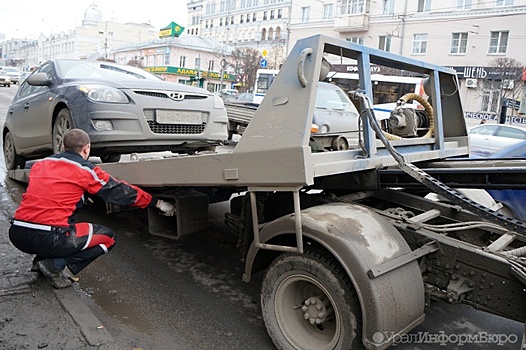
column 334, row 99
column 10, row 69
column 100, row 69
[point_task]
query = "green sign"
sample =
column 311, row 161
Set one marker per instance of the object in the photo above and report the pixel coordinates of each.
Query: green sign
column 189, row 72
column 172, row 30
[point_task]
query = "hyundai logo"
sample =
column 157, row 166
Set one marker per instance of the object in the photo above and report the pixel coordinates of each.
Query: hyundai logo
column 176, row 96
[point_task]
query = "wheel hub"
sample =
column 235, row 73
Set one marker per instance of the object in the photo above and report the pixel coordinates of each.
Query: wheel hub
column 316, row 309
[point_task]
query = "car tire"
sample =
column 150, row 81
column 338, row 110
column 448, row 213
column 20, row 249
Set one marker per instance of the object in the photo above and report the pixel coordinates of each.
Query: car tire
column 61, row 125
column 110, row 158
column 12, row 159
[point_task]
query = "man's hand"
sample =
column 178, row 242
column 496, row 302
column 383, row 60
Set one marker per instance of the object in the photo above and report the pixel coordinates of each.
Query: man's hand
column 167, row 208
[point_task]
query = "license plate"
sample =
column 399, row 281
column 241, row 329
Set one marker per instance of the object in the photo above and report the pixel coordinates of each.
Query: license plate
column 179, row 117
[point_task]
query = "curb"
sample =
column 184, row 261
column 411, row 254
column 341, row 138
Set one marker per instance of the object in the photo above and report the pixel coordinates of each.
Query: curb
column 90, row 326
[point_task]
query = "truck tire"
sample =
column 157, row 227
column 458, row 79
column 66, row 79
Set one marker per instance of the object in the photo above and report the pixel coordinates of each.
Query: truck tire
column 309, row 303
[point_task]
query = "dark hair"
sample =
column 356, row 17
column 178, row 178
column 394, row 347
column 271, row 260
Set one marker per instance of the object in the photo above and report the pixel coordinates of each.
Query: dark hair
column 75, row 140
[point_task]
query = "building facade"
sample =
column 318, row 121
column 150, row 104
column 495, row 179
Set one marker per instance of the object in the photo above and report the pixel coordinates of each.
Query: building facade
column 190, row 60
column 476, row 38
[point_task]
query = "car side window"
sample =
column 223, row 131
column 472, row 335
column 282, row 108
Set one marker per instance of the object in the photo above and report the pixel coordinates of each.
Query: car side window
column 511, row 133
column 25, row 89
column 485, row 130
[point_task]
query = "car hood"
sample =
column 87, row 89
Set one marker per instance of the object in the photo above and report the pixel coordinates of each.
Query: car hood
column 141, row 84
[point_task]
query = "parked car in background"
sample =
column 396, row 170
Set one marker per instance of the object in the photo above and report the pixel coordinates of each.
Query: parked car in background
column 5, row 80
column 13, row 73
column 124, row 109
column 243, row 97
column 514, row 201
column 486, row 139
column 227, row 94
column 334, row 115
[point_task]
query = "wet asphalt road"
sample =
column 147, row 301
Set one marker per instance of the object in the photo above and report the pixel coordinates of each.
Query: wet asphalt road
column 155, row 293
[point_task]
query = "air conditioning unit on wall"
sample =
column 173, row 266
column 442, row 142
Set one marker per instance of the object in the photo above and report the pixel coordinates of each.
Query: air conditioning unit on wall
column 471, row 83
column 508, row 84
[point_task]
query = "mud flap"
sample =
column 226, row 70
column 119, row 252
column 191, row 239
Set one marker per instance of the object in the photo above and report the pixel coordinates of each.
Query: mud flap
column 191, row 216
column 393, row 302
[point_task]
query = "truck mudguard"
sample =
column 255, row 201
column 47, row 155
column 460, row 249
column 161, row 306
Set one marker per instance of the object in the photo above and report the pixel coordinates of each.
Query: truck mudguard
column 392, row 303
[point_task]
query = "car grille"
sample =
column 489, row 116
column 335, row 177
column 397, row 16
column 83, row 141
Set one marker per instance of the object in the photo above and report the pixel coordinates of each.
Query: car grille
column 174, row 129
column 157, row 128
column 166, row 94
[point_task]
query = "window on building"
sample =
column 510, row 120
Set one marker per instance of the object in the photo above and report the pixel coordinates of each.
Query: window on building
column 272, row 14
column 388, row 7
column 254, row 17
column 385, row 43
column 197, row 63
column 182, row 61
column 232, row 20
column 241, row 18
column 352, row 7
column 280, row 13
column 459, row 43
column 264, row 15
column 504, row 3
column 424, row 5
column 220, row 22
column 355, row 39
column 490, row 96
column 305, row 13
column 419, row 43
column 211, row 65
column 327, row 11
column 464, row 4
column 211, row 23
column 498, row 42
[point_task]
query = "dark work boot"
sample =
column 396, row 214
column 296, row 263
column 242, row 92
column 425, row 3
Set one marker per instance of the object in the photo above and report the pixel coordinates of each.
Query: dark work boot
column 58, row 280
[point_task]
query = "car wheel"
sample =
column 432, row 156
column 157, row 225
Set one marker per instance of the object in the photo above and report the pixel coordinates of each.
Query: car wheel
column 110, row 158
column 62, row 125
column 12, row 159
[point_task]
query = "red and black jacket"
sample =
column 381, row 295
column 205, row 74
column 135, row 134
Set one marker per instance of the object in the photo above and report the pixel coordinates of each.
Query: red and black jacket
column 57, row 185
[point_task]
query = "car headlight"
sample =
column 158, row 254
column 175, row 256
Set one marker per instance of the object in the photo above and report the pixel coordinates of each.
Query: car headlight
column 218, row 102
column 102, row 93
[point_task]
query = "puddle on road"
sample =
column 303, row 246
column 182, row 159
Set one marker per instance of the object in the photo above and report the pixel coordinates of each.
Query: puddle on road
column 114, row 296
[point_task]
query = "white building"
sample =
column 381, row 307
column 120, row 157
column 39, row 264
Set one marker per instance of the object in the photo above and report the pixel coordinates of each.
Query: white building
column 190, row 60
column 94, row 39
column 467, row 35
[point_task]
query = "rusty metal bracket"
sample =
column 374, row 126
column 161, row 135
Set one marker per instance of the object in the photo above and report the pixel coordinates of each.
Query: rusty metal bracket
column 403, row 259
column 458, row 286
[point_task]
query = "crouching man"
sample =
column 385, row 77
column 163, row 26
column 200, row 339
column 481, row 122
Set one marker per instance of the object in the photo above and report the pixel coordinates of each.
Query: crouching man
column 44, row 223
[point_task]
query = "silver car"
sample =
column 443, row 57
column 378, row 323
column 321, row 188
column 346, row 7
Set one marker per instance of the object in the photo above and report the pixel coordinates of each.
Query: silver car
column 486, row 139
column 13, row 73
column 5, row 80
column 124, row 109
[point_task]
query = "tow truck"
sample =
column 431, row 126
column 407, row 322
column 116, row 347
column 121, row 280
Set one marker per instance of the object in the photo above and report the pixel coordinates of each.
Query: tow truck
column 353, row 243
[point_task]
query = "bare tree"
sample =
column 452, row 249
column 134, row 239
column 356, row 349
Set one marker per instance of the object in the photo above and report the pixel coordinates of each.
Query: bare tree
column 276, row 56
column 246, row 63
column 135, row 63
column 508, row 74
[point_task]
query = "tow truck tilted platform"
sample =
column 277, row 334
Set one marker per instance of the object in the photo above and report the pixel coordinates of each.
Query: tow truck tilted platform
column 352, row 246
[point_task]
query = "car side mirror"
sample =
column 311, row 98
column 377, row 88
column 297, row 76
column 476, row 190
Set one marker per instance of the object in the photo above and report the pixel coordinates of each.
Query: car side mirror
column 39, row 79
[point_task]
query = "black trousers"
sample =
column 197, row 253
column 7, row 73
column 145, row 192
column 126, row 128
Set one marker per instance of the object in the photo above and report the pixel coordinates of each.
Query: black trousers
column 78, row 246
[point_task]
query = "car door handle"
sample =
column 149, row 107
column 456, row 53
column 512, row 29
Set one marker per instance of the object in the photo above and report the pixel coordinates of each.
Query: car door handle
column 26, row 106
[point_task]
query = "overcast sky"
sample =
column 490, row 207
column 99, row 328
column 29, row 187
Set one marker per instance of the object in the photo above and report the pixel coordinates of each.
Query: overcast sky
column 28, row 18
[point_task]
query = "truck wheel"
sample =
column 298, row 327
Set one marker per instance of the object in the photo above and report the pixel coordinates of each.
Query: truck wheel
column 309, row 303
column 60, row 127
column 11, row 158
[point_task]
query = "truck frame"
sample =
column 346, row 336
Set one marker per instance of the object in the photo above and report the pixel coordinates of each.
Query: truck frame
column 352, row 246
